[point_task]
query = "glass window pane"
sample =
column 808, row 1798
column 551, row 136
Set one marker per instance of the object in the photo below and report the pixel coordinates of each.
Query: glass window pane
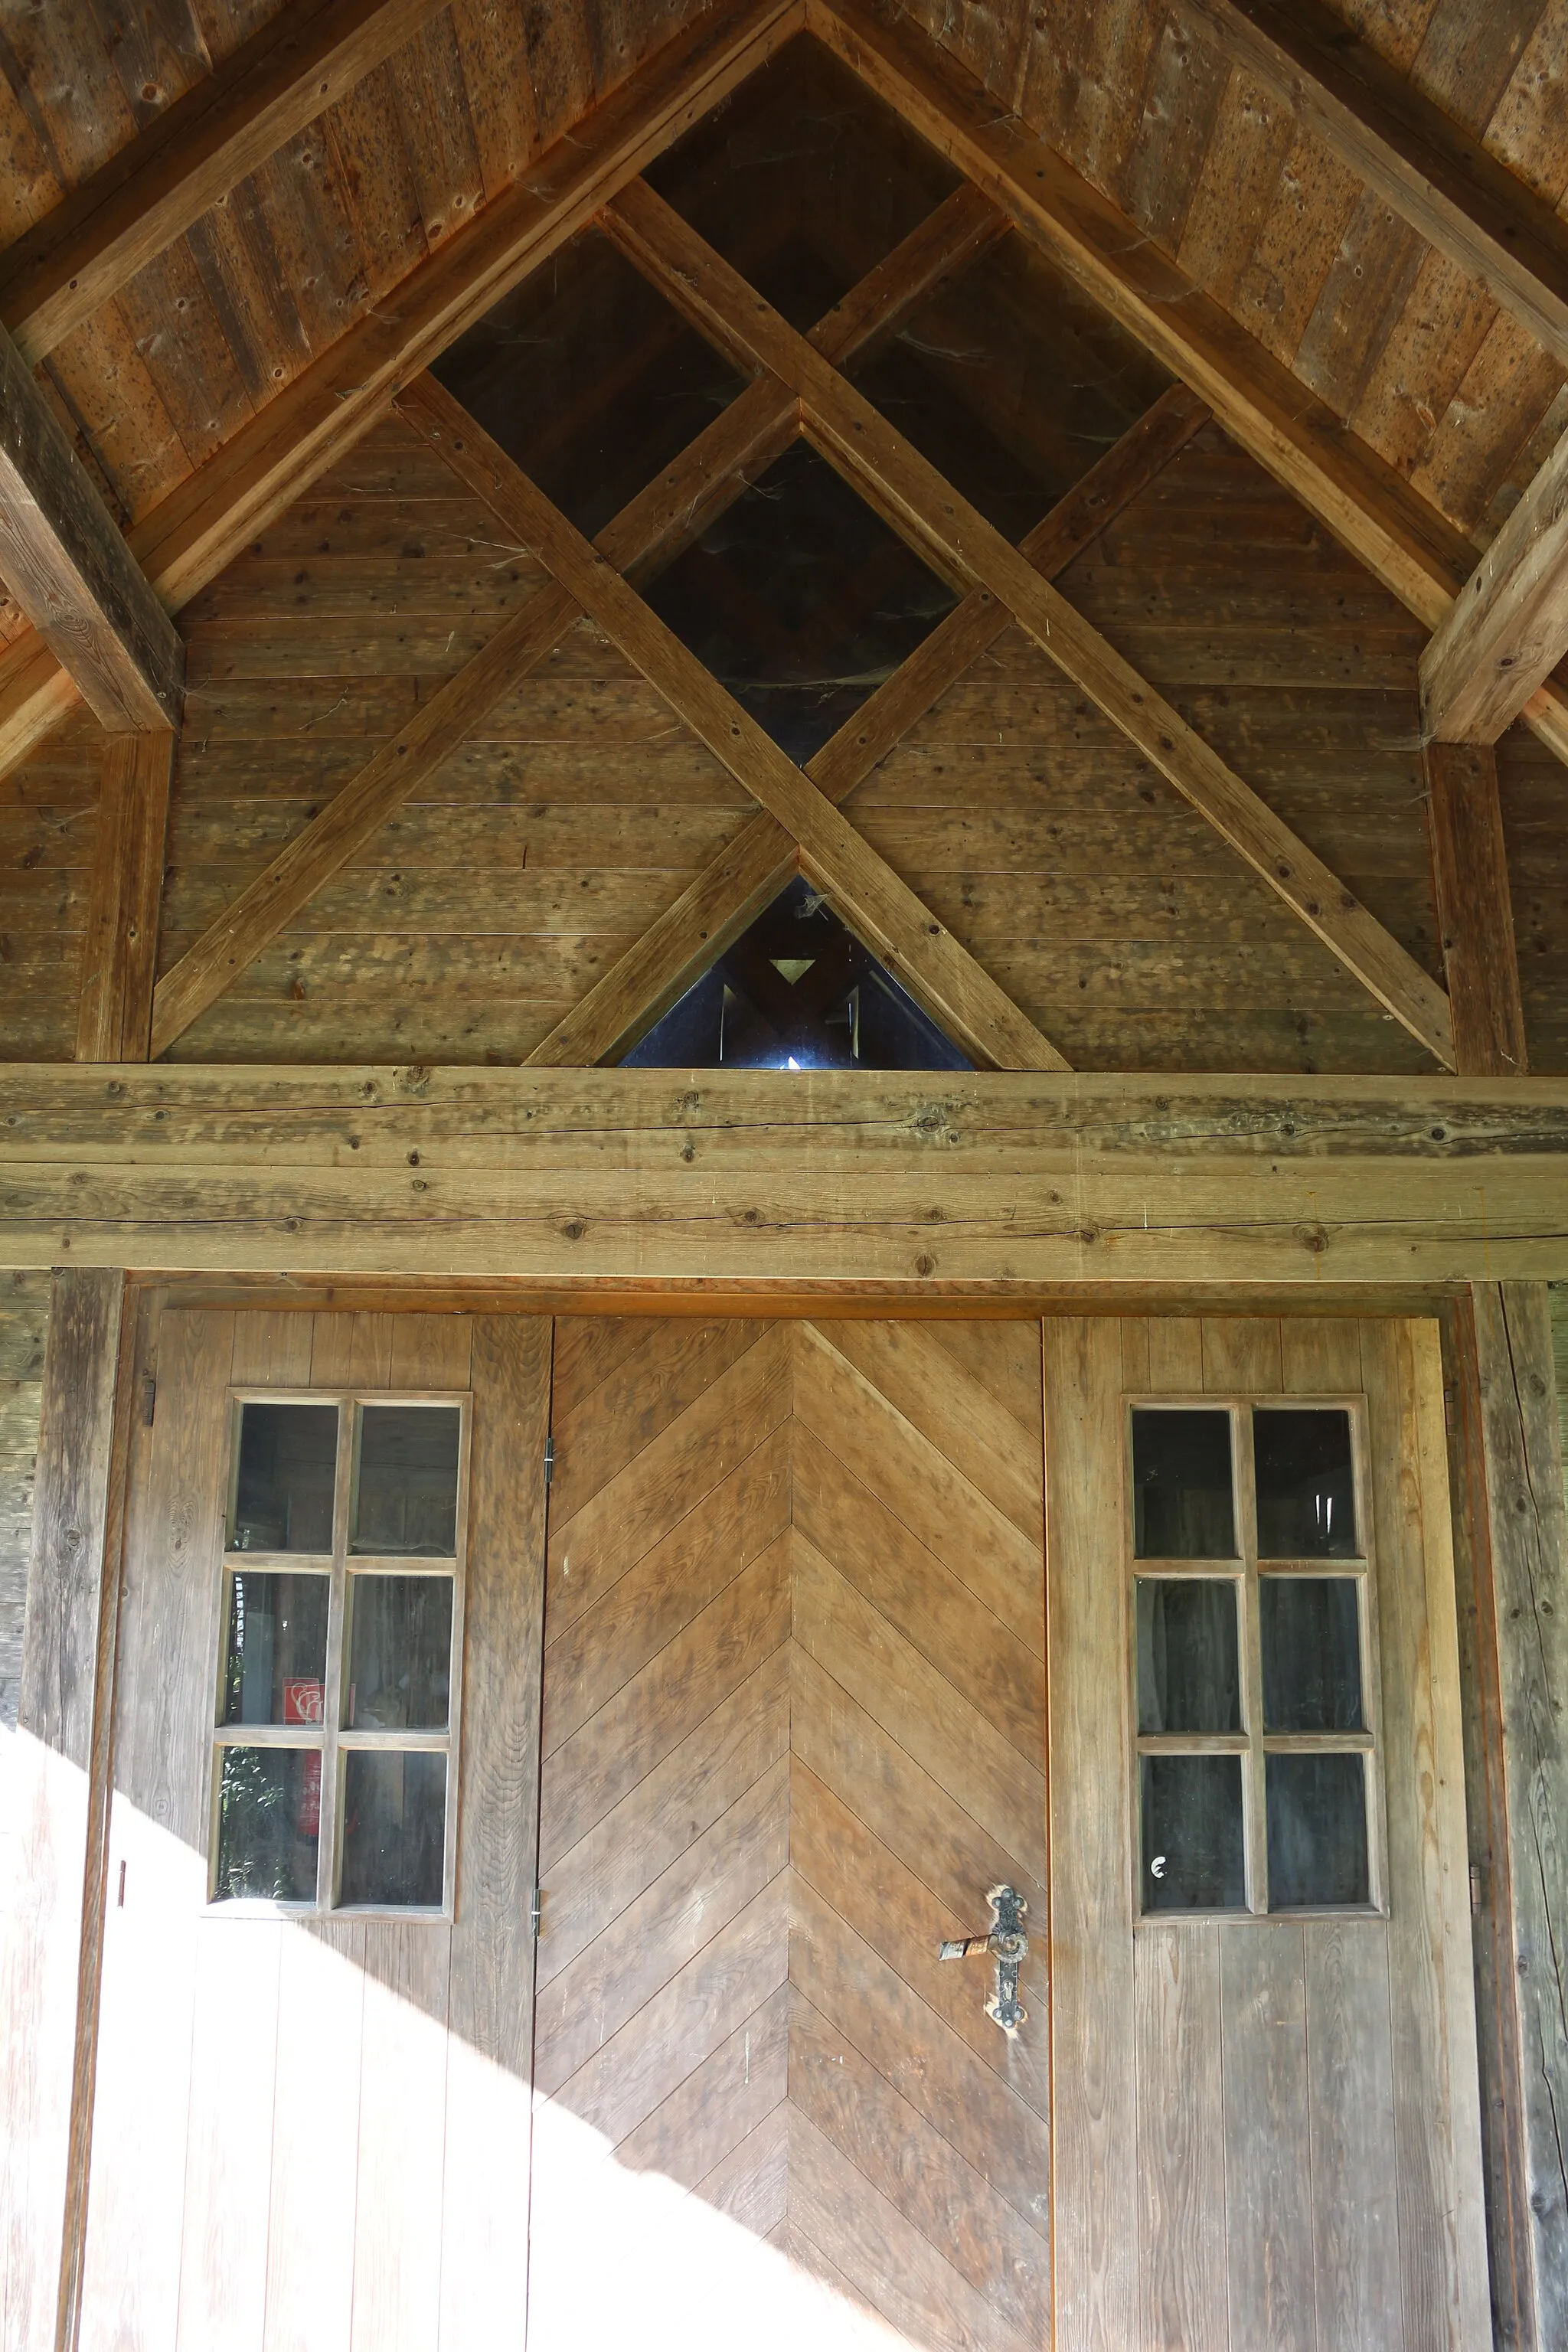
column 283, row 1493
column 1182, row 1484
column 589, row 379
column 395, row 1810
column 1317, row 1831
column 802, row 180
column 275, row 1652
column 268, row 1823
column 1306, row 1487
column 407, row 1492
column 1189, row 1674
column 400, row 1653
column 1192, row 1834
column 1311, row 1627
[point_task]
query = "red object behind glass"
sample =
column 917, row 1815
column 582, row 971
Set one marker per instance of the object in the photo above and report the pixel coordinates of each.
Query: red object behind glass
column 302, row 1703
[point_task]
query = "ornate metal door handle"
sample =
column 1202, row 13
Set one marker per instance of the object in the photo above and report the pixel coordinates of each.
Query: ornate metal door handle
column 1009, row 1945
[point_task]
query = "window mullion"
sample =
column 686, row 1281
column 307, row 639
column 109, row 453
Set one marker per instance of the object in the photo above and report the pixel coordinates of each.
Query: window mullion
column 327, row 1859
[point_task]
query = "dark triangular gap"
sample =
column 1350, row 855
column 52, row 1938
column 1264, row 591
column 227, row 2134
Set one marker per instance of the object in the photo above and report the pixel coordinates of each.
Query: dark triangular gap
column 801, row 601
column 802, row 180
column 796, row 991
column 1012, row 382
column 588, row 379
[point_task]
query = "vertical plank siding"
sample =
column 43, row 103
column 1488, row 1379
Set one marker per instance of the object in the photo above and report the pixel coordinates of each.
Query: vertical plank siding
column 23, row 1324
column 49, row 1841
column 1526, row 1573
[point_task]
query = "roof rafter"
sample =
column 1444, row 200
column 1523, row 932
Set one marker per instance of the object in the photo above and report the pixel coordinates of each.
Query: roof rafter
column 915, row 499
column 65, row 560
column 679, row 945
column 919, row 950
column 649, row 532
column 1405, row 542
column 201, row 526
column 93, row 242
column 1416, row 157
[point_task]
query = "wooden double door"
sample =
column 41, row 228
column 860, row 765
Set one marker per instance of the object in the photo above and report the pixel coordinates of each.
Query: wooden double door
column 822, row 1630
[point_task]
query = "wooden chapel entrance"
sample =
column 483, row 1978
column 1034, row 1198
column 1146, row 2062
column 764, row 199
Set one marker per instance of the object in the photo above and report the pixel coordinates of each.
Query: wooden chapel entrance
column 794, row 1731
column 755, row 1694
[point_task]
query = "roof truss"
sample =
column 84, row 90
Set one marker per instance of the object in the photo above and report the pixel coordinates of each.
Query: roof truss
column 1404, row 541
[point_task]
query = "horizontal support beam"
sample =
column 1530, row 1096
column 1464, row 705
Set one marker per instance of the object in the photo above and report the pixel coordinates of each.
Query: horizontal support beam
column 79, row 255
column 1423, row 164
column 65, row 562
column 923, row 1179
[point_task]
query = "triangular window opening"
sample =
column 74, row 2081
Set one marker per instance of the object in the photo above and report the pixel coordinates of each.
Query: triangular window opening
column 797, row 991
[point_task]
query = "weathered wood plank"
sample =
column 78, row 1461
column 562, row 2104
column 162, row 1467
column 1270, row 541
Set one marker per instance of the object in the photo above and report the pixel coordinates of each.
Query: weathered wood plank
column 66, row 562
column 561, row 1177
column 55, row 1818
column 1509, row 628
column 1475, row 909
column 1525, row 1565
column 125, row 890
column 78, row 255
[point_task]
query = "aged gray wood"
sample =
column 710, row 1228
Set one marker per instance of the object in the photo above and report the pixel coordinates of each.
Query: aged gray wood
column 66, row 562
column 490, row 2017
column 1529, row 1574
column 59, row 1701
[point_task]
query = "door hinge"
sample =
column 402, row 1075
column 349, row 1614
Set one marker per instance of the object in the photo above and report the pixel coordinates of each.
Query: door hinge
column 550, row 1457
column 535, row 1911
column 149, row 1399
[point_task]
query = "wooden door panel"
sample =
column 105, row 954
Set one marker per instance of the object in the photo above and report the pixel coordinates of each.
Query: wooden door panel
column 795, row 1730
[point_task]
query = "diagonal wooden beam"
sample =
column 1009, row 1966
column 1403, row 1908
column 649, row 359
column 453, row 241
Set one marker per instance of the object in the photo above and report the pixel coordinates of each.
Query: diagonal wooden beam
column 125, row 888
column 1510, row 627
column 78, row 255
column 204, row 523
column 678, row 946
column 1405, row 542
column 352, row 816
column 647, row 533
column 65, row 560
column 915, row 499
column 882, row 908
column 1423, row 164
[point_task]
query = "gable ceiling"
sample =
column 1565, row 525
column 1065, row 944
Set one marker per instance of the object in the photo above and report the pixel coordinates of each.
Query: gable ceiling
column 1137, row 94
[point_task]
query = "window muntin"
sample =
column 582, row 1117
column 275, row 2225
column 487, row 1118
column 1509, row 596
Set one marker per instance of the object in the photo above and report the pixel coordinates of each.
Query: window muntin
column 1254, row 1689
column 340, row 1635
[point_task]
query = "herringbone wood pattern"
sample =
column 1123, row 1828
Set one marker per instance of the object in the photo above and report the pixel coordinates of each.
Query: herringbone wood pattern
column 794, row 1729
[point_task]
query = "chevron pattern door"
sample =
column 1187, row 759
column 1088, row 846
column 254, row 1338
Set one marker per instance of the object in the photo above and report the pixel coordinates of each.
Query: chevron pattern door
column 794, row 1730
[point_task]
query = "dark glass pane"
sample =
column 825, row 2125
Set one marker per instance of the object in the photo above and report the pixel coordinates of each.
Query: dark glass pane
column 803, row 181
column 1182, row 1505
column 587, row 377
column 1311, row 1627
column 287, row 1463
column 1012, row 382
column 1193, row 1858
column 395, row 1810
column 1317, row 1831
column 268, row 1823
column 1189, row 1672
column 798, row 991
column 400, row 1653
column 275, row 1651
column 800, row 601
column 1306, row 1487
column 406, row 1496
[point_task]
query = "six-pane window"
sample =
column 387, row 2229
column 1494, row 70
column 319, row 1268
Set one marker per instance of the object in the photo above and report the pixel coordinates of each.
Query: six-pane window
column 334, row 1773
column 1251, row 1639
